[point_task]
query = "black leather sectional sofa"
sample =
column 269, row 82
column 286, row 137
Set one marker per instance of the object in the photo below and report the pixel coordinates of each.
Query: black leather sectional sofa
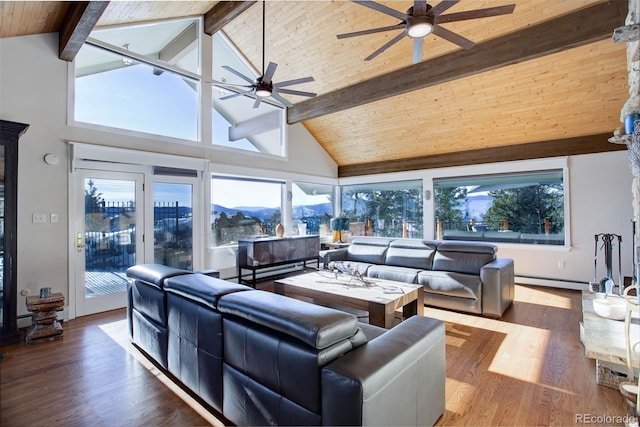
column 260, row 358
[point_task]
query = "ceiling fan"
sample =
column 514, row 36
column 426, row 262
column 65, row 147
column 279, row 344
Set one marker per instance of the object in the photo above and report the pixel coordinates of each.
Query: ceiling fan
column 264, row 87
column 422, row 19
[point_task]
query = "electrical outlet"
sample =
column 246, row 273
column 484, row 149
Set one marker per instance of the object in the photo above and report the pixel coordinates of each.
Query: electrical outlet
column 560, row 263
column 54, row 218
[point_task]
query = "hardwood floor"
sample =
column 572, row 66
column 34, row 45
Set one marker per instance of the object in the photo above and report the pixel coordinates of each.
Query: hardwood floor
column 527, row 369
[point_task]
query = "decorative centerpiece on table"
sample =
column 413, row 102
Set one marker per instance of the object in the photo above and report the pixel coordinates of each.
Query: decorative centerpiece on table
column 339, row 272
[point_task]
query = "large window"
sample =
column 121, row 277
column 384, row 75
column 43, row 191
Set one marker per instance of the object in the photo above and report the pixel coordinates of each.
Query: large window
column 509, row 208
column 312, row 208
column 243, row 208
column 141, row 78
column 390, row 209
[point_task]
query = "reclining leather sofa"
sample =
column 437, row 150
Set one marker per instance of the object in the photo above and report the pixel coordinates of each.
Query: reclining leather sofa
column 456, row 275
column 260, row 358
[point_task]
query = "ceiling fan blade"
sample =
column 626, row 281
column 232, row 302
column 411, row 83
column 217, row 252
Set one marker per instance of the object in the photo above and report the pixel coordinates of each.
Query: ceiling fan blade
column 294, row 82
column 371, row 31
column 417, row 49
column 257, row 103
column 442, row 6
column 238, row 73
column 224, row 85
column 478, row 13
column 268, row 75
column 296, row 92
column 281, row 100
column 386, row 46
column 234, row 95
column 383, row 9
column 453, row 37
column 419, row 8
column 228, row 85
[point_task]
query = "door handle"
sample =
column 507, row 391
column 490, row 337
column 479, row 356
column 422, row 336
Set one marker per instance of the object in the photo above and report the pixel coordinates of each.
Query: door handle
column 79, row 242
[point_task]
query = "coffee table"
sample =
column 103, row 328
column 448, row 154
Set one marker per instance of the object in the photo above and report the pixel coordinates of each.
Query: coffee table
column 381, row 298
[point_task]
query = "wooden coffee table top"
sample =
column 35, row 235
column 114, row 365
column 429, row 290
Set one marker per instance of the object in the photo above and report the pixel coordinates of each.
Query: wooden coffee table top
column 378, row 290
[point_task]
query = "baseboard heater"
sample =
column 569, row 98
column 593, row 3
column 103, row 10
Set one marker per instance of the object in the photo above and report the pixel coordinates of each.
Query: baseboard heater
column 552, row 283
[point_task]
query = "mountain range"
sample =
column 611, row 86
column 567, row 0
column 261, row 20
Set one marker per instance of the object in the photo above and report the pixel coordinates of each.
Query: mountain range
column 264, row 213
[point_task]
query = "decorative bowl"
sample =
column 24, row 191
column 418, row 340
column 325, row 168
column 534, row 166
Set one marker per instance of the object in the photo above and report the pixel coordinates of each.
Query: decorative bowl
column 610, row 307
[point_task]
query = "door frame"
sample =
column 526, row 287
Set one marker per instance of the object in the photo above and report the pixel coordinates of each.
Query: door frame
column 97, row 157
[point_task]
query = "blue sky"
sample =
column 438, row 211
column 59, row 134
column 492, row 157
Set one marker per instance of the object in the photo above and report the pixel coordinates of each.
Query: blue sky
column 134, row 98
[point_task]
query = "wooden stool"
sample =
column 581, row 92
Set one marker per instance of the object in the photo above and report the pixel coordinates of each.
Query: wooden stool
column 45, row 326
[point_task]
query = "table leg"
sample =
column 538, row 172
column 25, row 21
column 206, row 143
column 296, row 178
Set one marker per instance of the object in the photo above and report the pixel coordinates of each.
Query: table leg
column 415, row 307
column 410, row 309
column 278, row 288
column 381, row 315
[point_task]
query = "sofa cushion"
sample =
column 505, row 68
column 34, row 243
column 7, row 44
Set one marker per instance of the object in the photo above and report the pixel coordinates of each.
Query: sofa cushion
column 463, row 257
column 284, row 365
column 154, row 273
column 390, row 272
column 416, row 253
column 451, row 284
column 317, row 326
column 470, row 247
column 202, row 289
column 149, row 300
column 370, row 250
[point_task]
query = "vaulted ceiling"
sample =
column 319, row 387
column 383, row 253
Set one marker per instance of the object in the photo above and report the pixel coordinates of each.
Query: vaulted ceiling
column 544, row 80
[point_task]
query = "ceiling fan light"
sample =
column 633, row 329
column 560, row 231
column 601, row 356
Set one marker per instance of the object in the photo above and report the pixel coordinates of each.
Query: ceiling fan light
column 262, row 92
column 419, row 29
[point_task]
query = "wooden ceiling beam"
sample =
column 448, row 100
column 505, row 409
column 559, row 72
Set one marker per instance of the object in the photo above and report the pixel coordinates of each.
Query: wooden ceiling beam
column 223, row 13
column 585, row 26
column 78, row 23
column 589, row 144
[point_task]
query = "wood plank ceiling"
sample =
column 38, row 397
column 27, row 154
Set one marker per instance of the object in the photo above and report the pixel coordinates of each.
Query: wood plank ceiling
column 566, row 100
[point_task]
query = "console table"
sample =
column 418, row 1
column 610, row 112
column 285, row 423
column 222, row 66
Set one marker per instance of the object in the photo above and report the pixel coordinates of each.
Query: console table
column 268, row 252
column 604, row 339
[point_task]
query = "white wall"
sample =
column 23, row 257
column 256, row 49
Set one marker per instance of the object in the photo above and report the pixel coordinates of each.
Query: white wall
column 33, row 90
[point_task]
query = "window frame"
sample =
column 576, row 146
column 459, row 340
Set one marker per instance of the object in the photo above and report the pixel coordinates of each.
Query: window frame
column 537, row 165
column 196, row 78
column 382, row 182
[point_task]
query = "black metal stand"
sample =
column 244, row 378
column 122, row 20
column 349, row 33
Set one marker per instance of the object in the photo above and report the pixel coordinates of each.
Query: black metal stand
column 607, row 245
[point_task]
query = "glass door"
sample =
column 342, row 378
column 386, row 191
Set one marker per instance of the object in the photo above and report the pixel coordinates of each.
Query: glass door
column 108, row 237
column 173, row 216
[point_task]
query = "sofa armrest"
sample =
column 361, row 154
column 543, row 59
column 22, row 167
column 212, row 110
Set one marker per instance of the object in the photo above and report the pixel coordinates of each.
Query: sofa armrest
column 326, row 256
column 397, row 378
column 497, row 279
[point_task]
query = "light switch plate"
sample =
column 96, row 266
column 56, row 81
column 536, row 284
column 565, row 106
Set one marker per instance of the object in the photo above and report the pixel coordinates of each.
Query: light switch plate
column 39, row 218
